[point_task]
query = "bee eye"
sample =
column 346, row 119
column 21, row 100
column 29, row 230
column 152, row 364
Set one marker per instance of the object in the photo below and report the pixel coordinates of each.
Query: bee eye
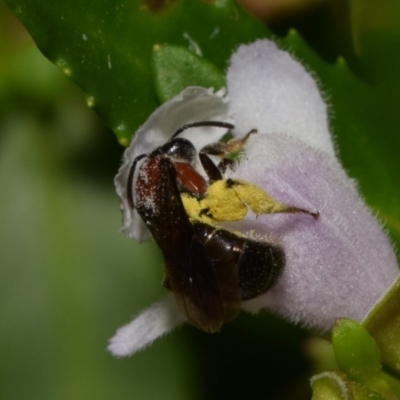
column 182, row 149
column 179, row 149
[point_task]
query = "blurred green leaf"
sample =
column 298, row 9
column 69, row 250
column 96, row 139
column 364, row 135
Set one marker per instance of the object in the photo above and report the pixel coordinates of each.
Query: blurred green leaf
column 64, row 267
column 375, row 31
column 60, row 282
column 175, row 68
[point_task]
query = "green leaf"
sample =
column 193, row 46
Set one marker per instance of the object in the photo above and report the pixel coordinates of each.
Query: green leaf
column 175, row 68
column 330, row 386
column 105, row 46
column 356, row 353
column 358, row 356
column 393, row 383
column 375, row 30
column 383, row 323
column 336, row 386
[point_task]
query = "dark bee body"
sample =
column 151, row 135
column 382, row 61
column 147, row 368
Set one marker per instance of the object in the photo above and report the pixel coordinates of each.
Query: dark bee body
column 210, row 270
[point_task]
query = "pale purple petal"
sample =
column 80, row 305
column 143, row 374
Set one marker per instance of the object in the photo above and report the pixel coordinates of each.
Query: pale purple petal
column 150, row 324
column 271, row 91
column 191, row 105
column 338, row 265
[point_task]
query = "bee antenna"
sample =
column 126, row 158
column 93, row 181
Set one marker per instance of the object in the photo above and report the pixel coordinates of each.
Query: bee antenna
column 217, row 124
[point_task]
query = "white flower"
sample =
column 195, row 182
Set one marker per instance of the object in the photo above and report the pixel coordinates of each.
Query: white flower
column 191, row 105
column 337, row 266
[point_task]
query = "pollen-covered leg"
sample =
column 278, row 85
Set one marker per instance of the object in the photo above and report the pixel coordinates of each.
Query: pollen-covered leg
column 229, row 200
column 261, row 202
column 219, row 204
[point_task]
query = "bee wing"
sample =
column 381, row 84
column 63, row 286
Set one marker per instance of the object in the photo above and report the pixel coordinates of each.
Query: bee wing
column 189, row 272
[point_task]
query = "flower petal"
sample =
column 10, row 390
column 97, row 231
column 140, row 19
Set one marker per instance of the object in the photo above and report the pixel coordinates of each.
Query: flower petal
column 191, row 105
column 338, row 265
column 271, row 91
column 152, row 323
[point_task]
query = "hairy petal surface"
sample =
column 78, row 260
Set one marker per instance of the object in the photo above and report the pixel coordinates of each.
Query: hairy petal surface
column 150, row 324
column 338, row 265
column 271, row 91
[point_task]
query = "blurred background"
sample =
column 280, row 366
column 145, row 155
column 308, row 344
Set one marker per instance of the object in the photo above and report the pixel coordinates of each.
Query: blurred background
column 68, row 279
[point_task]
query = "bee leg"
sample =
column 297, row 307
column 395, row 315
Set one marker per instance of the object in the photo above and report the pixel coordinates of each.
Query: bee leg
column 220, row 149
column 260, row 202
column 212, row 170
column 226, row 163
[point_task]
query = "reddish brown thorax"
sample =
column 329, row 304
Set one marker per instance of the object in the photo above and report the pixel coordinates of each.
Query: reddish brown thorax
column 149, row 179
column 190, row 179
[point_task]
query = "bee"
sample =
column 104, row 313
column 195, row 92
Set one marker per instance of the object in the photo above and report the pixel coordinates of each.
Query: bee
column 210, row 270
